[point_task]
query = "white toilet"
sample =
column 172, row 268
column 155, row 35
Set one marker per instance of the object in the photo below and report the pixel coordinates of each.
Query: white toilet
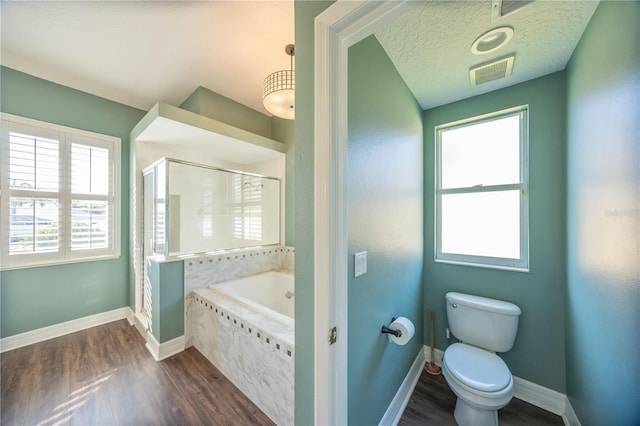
column 479, row 378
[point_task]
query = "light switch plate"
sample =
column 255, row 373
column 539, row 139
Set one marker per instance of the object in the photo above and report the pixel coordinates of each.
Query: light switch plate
column 360, row 263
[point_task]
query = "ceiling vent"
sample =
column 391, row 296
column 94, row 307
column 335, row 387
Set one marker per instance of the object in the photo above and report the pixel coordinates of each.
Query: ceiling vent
column 491, row 71
column 500, row 8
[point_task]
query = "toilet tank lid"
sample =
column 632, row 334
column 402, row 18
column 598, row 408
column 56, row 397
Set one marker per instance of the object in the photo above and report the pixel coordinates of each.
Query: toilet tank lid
column 484, row 303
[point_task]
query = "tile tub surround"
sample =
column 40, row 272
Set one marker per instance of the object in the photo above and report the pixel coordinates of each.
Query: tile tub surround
column 202, row 271
column 254, row 351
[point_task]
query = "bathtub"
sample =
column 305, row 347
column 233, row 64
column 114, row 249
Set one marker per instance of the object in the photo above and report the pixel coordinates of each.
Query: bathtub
column 272, row 290
column 245, row 327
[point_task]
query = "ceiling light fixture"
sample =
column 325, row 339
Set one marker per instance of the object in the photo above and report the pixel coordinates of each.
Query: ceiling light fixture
column 278, row 95
column 492, row 40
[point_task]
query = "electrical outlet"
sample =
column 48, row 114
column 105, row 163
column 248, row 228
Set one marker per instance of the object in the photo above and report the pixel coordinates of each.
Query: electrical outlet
column 360, row 263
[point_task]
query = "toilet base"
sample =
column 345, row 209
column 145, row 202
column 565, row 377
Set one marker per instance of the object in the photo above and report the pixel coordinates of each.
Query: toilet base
column 467, row 415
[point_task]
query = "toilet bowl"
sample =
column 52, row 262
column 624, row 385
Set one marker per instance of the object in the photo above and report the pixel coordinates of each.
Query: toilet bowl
column 478, row 377
column 481, row 381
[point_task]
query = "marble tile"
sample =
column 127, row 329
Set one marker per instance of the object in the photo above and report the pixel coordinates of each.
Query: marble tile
column 254, row 351
column 205, row 270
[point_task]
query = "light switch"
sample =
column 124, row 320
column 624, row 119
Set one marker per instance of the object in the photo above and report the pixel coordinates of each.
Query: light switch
column 360, row 263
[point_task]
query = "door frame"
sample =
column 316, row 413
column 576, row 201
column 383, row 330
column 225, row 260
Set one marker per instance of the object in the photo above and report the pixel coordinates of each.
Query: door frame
column 340, row 26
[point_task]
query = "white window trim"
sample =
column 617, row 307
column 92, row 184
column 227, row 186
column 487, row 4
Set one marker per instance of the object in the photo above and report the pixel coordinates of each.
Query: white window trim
column 64, row 255
column 522, row 264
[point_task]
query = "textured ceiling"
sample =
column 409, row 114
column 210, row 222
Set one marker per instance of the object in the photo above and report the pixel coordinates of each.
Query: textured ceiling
column 431, row 46
column 140, row 52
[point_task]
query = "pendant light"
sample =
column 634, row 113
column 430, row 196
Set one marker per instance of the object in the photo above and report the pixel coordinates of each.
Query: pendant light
column 278, row 95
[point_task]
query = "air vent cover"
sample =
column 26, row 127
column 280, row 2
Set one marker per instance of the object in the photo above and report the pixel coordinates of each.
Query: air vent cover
column 500, row 8
column 491, row 71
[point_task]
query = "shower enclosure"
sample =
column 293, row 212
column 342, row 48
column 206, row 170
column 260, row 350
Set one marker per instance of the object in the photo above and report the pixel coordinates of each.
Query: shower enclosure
column 191, row 208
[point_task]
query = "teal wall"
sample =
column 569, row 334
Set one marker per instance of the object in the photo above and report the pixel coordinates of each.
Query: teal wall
column 213, row 105
column 384, row 204
column 38, row 297
column 603, row 217
column 167, row 300
column 305, row 12
column 539, row 351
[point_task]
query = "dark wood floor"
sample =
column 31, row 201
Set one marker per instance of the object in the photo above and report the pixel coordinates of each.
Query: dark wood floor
column 432, row 403
column 106, row 376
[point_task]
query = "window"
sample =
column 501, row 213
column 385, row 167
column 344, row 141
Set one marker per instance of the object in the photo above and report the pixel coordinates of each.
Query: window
column 482, row 191
column 247, row 207
column 60, row 194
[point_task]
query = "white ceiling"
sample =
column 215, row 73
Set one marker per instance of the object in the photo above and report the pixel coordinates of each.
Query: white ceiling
column 431, row 46
column 141, row 52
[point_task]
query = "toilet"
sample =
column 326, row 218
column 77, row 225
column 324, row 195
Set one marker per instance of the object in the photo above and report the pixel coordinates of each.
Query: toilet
column 479, row 378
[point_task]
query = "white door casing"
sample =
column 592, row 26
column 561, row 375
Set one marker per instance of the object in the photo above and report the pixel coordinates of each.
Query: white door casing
column 340, row 26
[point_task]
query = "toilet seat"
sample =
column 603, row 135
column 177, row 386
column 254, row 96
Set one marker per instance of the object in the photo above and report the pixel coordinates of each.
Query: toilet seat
column 477, row 368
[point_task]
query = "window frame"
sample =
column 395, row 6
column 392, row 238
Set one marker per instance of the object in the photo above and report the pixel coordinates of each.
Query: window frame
column 66, row 137
column 523, row 263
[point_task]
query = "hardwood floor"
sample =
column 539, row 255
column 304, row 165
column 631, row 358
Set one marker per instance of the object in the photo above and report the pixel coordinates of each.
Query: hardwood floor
column 106, row 376
column 432, row 403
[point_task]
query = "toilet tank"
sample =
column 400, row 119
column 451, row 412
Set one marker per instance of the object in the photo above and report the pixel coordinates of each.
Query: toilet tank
column 479, row 321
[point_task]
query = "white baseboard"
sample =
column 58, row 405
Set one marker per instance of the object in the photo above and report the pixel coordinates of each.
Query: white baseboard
column 437, row 354
column 41, row 334
column 537, row 395
column 545, row 398
column 140, row 322
column 161, row 351
column 400, row 400
column 131, row 317
column 569, row 417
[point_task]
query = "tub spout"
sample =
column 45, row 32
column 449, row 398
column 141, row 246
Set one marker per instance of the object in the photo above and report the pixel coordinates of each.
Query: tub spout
column 288, row 294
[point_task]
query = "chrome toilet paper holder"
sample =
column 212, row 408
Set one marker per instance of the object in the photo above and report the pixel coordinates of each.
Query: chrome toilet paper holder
column 387, row 330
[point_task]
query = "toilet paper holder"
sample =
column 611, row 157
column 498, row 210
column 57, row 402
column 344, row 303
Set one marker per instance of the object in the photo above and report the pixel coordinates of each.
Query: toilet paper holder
column 387, row 330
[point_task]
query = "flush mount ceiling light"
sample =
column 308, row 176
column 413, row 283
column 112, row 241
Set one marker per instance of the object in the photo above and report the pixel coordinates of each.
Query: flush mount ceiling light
column 278, row 95
column 492, row 40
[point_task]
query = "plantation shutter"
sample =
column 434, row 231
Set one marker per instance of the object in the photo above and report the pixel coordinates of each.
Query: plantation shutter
column 60, row 194
column 34, row 182
column 90, row 212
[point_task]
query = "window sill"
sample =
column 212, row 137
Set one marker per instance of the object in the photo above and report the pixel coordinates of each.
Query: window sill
column 483, row 265
column 60, row 262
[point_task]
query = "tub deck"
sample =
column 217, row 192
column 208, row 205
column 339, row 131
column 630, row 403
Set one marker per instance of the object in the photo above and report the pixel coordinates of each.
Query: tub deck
column 280, row 326
column 252, row 345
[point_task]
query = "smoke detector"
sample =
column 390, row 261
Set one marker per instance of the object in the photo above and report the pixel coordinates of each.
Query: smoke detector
column 491, row 71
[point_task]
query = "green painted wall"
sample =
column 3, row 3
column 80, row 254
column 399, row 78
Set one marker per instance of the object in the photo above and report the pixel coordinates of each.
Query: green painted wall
column 38, row 297
column 213, row 105
column 603, row 216
column 539, row 351
column 384, row 204
column 305, row 12
column 167, row 300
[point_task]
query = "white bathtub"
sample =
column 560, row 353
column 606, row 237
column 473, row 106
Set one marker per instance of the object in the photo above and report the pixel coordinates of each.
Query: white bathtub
column 272, row 290
column 245, row 327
